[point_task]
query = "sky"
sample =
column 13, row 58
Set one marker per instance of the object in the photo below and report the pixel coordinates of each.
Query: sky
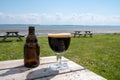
column 60, row 12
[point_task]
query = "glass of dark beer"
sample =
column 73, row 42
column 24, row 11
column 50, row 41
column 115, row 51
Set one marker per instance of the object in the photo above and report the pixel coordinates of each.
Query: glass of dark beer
column 59, row 43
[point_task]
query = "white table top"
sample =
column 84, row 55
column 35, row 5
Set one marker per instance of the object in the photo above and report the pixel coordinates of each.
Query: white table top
column 14, row 70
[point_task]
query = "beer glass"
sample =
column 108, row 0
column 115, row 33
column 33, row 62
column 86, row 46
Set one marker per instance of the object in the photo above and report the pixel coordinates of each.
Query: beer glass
column 59, row 43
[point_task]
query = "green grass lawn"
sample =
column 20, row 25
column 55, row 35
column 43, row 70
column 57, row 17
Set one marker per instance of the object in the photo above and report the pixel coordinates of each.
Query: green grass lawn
column 100, row 54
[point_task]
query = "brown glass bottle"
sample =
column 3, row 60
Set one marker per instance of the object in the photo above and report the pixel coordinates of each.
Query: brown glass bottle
column 31, row 49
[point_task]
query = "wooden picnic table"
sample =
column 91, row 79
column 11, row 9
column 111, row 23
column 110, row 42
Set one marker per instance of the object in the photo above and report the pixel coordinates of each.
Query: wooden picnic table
column 84, row 33
column 12, row 34
column 14, row 70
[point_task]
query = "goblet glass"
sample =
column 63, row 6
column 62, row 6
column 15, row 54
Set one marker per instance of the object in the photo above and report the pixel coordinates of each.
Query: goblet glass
column 59, row 43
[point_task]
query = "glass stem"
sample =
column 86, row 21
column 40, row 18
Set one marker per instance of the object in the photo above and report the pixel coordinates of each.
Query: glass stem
column 59, row 57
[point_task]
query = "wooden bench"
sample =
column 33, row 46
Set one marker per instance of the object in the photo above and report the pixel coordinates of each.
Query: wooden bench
column 14, row 70
column 12, row 34
column 77, row 33
column 88, row 33
column 84, row 33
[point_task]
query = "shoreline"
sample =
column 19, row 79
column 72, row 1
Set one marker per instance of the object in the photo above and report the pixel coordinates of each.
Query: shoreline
column 45, row 31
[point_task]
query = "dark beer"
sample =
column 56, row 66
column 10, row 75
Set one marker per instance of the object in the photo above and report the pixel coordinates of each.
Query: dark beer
column 31, row 50
column 59, row 42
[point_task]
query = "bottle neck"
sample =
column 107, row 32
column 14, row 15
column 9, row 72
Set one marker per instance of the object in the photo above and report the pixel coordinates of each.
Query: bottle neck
column 31, row 35
column 31, row 31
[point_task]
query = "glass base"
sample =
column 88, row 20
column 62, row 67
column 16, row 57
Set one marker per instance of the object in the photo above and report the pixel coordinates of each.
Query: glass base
column 57, row 66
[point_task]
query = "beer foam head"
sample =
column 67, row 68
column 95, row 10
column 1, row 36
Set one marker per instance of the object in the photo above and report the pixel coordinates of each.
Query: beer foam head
column 59, row 35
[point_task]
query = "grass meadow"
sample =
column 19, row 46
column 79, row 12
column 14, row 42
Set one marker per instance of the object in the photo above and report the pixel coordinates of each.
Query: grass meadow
column 100, row 54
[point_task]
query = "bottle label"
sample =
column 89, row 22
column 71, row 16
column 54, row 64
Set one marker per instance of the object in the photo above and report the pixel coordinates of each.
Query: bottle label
column 30, row 52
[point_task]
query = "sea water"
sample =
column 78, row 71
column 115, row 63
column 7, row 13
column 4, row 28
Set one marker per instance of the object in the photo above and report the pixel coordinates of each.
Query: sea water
column 45, row 29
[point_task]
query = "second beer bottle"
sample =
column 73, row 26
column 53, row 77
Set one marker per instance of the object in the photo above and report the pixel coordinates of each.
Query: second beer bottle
column 31, row 49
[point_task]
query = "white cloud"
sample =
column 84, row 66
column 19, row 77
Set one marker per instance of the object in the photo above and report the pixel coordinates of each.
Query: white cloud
column 58, row 18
